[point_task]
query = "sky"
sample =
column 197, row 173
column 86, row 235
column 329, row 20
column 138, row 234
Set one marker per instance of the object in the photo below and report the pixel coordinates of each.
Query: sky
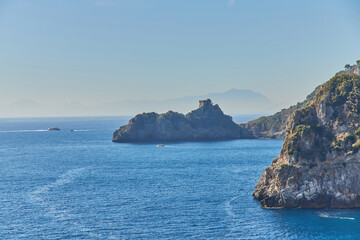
column 89, row 52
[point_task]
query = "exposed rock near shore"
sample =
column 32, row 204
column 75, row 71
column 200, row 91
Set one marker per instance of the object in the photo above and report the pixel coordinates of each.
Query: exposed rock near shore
column 319, row 164
column 206, row 123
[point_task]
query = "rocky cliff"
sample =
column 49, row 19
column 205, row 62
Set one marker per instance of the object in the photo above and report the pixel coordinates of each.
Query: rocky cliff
column 208, row 122
column 319, row 164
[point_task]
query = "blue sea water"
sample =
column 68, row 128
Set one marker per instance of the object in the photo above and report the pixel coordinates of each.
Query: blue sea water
column 79, row 185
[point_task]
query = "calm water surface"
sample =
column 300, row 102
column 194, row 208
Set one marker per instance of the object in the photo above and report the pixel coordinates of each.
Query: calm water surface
column 80, row 185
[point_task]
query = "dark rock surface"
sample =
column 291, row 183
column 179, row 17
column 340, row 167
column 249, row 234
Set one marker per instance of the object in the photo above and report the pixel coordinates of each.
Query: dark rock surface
column 319, row 164
column 206, row 123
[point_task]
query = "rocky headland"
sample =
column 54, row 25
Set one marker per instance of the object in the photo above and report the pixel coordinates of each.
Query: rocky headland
column 206, row 123
column 319, row 164
column 274, row 126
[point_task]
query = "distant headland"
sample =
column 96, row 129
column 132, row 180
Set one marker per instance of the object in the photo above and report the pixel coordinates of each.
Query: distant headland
column 206, row 123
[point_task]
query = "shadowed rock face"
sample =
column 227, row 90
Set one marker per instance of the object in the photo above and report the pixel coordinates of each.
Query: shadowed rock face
column 206, row 123
column 319, row 164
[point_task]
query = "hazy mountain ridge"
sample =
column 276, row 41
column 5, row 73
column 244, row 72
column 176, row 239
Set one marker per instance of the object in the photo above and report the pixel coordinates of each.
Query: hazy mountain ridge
column 234, row 101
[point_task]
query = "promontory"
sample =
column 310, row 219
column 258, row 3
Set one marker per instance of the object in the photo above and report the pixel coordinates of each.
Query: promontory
column 206, row 123
column 319, row 164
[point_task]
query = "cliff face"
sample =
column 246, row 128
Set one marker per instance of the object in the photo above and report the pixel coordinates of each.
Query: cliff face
column 319, row 164
column 207, row 122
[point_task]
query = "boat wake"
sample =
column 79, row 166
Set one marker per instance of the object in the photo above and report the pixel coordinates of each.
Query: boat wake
column 229, row 208
column 87, row 130
column 65, row 178
column 40, row 196
column 20, row 131
column 327, row 215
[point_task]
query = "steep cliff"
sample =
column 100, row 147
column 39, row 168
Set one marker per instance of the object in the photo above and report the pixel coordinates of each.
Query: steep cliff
column 208, row 122
column 319, row 164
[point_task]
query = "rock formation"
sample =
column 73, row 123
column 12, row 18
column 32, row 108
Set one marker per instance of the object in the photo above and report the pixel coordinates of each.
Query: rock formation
column 319, row 164
column 206, row 123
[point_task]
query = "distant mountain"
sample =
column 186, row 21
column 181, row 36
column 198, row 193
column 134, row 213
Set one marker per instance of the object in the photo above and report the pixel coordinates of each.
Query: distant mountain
column 31, row 108
column 234, row 101
column 23, row 107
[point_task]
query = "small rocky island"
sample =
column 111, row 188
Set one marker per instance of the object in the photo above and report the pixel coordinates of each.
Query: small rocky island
column 206, row 123
column 319, row 164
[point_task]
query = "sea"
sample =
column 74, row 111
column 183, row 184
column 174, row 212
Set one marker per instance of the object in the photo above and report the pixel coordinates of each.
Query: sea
column 80, row 185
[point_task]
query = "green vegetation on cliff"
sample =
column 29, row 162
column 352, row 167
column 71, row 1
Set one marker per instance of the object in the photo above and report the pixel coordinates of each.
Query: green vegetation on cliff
column 274, row 126
column 342, row 88
column 319, row 162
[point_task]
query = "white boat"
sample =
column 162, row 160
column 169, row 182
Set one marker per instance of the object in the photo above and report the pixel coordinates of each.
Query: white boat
column 53, row 129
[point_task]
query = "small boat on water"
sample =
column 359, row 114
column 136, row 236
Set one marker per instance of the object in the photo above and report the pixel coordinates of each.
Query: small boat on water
column 53, row 129
column 161, row 145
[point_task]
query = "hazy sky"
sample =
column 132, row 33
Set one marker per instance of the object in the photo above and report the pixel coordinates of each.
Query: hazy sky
column 91, row 51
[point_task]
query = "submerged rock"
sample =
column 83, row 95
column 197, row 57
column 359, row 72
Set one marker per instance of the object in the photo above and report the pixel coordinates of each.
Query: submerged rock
column 208, row 122
column 319, row 164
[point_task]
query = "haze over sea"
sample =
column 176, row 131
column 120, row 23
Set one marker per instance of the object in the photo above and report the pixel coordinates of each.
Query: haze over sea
column 78, row 184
